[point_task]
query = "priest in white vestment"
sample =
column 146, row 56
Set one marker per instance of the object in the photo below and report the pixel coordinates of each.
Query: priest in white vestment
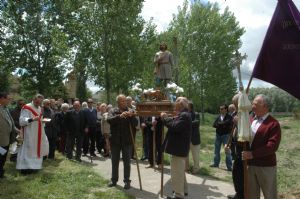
column 35, row 144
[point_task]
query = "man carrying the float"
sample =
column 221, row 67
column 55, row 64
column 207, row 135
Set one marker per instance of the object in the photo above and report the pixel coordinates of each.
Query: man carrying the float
column 35, row 144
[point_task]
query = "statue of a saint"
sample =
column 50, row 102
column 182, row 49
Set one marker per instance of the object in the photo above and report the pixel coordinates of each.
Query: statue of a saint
column 164, row 62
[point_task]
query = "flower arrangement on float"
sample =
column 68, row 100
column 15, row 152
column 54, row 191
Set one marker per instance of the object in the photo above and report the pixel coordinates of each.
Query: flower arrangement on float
column 170, row 92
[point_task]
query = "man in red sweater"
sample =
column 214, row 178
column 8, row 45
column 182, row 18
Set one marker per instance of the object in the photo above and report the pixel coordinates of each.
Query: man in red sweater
column 262, row 157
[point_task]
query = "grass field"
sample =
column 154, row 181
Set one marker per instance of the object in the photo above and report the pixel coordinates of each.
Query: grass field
column 59, row 179
column 62, row 179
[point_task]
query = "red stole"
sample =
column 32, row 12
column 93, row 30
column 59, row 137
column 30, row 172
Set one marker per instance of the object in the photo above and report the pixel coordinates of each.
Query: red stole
column 39, row 128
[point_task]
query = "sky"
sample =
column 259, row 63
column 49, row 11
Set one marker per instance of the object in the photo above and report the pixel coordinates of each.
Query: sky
column 253, row 15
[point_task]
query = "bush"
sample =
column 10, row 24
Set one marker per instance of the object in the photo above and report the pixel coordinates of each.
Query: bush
column 296, row 114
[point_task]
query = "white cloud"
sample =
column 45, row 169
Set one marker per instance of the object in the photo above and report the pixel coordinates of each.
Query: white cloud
column 161, row 10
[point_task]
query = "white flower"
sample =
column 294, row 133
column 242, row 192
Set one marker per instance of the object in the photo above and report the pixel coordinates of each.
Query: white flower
column 173, row 88
column 136, row 88
column 180, row 90
column 171, row 85
column 148, row 90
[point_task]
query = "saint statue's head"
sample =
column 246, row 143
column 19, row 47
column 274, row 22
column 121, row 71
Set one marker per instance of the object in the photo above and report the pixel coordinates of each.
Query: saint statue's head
column 163, row 46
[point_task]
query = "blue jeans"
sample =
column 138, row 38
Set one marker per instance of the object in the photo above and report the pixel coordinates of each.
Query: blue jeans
column 222, row 139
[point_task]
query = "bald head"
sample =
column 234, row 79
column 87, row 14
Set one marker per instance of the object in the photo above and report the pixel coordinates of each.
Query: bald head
column 76, row 105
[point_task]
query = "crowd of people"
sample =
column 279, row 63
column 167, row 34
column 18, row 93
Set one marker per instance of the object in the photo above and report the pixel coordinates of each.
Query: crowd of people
column 82, row 129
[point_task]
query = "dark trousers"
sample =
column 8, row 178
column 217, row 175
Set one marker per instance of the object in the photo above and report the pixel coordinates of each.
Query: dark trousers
column 89, row 140
column 157, row 147
column 133, row 134
column 238, row 172
column 2, row 161
column 71, row 140
column 52, row 147
column 62, row 143
column 100, row 142
column 146, row 141
column 115, row 159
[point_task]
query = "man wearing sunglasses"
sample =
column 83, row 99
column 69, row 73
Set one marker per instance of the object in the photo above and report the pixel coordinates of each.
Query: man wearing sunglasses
column 223, row 125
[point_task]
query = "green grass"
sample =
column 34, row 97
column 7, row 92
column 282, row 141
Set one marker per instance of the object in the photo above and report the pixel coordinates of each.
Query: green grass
column 288, row 157
column 59, row 179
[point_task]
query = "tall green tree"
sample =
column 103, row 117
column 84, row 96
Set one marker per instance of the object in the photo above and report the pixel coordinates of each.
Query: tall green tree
column 106, row 37
column 207, row 41
column 281, row 101
column 33, row 43
column 117, row 40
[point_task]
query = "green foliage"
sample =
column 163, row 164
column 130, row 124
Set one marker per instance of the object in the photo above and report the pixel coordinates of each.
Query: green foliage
column 33, row 43
column 4, row 83
column 109, row 42
column 281, row 101
column 207, row 41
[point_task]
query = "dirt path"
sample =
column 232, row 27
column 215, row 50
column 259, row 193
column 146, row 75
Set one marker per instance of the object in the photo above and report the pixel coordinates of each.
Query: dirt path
column 199, row 187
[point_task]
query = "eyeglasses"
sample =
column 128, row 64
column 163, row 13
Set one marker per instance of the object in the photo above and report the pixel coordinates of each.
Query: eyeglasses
column 222, row 109
column 90, row 102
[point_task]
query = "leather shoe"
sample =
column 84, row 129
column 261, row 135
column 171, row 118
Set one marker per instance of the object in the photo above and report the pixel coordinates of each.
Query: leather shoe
column 127, row 185
column 143, row 159
column 149, row 166
column 112, row 184
column 173, row 197
column 233, row 196
column 185, row 194
column 212, row 165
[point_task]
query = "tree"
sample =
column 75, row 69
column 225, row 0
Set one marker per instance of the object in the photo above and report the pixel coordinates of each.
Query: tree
column 105, row 37
column 281, row 101
column 207, row 41
column 33, row 43
column 117, row 39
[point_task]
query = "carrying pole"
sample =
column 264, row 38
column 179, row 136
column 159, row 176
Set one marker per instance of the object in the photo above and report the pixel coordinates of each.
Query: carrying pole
column 162, row 163
column 137, row 162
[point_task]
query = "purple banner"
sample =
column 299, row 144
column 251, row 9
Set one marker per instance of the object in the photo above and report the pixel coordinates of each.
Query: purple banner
column 279, row 58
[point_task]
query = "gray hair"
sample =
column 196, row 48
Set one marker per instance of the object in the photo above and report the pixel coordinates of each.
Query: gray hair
column 65, row 105
column 266, row 100
column 231, row 106
column 84, row 105
column 183, row 101
column 38, row 96
column 128, row 98
column 120, row 96
column 108, row 107
column 46, row 101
